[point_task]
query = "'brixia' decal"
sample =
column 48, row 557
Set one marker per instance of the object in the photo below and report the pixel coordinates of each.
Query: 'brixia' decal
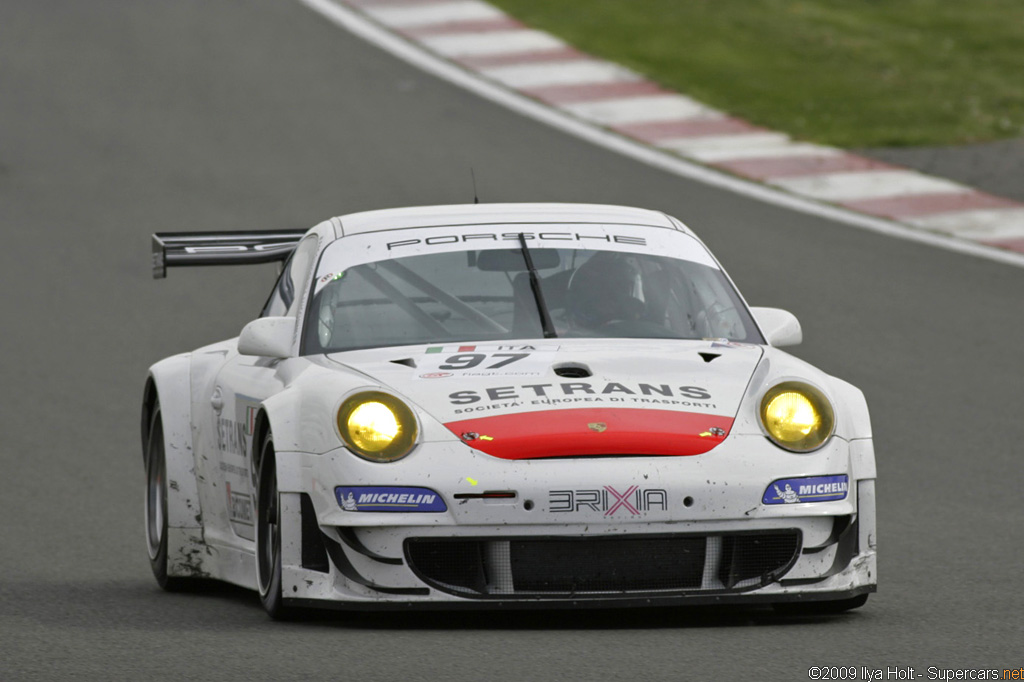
column 579, row 432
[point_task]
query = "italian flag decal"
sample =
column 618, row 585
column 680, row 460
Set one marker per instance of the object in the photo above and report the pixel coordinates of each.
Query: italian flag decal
column 459, row 349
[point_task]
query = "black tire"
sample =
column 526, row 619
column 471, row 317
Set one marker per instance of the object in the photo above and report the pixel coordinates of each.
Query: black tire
column 156, row 502
column 821, row 608
column 268, row 534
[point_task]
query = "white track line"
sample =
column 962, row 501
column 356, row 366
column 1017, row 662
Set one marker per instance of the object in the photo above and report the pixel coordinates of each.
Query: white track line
column 786, row 151
column 854, row 185
column 577, row 72
column 416, row 16
column 643, row 109
column 741, row 144
column 360, row 26
column 992, row 224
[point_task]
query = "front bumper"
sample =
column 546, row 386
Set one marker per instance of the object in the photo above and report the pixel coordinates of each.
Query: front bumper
column 712, row 544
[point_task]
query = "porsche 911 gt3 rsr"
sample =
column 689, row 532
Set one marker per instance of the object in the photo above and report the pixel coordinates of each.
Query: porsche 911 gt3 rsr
column 509, row 405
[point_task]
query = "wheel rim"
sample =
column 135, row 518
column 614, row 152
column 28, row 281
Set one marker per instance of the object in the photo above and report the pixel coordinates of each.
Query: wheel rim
column 269, row 522
column 156, row 491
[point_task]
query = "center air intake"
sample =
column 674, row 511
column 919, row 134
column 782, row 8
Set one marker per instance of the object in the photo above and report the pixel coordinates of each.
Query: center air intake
column 573, row 370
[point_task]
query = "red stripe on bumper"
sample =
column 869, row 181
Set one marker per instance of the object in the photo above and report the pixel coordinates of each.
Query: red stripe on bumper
column 577, row 432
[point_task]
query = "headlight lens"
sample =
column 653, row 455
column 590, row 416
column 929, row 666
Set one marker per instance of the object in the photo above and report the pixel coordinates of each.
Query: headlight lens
column 797, row 416
column 377, row 426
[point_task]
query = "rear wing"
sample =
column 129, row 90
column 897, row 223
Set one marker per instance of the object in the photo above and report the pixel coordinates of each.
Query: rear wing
column 173, row 249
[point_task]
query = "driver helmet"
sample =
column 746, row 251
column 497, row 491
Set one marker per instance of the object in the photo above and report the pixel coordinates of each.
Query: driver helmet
column 607, row 288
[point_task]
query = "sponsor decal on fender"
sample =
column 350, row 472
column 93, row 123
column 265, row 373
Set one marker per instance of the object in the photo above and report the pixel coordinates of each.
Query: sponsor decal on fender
column 239, row 506
column 388, row 499
column 234, row 436
column 808, row 489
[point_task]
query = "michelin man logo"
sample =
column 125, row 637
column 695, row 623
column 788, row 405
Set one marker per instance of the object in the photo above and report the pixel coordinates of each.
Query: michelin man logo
column 349, row 503
column 788, row 495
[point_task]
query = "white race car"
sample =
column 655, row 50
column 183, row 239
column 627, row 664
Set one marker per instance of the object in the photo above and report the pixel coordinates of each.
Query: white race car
column 508, row 405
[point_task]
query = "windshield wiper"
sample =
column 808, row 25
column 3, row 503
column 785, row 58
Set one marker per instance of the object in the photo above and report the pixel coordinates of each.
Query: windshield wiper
column 538, row 295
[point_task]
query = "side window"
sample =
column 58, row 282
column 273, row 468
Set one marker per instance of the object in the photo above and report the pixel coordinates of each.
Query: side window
column 284, row 299
column 282, row 295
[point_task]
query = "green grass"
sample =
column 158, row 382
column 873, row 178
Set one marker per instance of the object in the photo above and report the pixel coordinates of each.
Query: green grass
column 850, row 73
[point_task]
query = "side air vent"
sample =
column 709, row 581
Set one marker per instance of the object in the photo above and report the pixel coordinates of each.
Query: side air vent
column 314, row 554
column 573, row 370
column 708, row 357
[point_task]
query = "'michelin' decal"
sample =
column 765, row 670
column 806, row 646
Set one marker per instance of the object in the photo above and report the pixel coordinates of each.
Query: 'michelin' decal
column 809, row 489
column 388, row 499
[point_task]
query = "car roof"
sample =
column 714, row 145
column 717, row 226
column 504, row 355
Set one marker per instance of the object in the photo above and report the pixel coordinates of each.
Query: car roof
column 489, row 214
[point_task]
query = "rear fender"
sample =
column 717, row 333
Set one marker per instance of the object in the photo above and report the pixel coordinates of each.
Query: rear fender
column 168, row 382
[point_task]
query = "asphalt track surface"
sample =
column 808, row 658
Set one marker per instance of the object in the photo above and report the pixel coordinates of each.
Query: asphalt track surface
column 122, row 118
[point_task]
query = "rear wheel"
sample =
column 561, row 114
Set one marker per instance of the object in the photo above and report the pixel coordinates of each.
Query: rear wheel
column 156, row 502
column 268, row 533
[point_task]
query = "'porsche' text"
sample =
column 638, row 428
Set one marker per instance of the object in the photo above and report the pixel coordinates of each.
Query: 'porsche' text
column 514, row 236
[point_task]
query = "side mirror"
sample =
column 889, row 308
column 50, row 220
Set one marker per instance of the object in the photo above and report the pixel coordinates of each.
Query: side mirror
column 780, row 327
column 268, row 337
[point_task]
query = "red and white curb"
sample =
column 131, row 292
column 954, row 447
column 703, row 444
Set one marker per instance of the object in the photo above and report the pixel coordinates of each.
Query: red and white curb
column 488, row 44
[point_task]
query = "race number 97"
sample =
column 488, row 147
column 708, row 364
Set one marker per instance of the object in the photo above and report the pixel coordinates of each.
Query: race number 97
column 473, row 360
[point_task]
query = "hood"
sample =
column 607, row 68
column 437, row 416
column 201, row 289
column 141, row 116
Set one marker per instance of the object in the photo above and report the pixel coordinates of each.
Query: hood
column 572, row 397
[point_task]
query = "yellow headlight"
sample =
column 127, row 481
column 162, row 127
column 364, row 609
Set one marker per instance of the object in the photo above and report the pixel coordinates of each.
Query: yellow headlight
column 797, row 416
column 377, row 426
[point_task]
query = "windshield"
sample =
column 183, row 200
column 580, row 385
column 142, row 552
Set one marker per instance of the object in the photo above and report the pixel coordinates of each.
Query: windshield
column 492, row 294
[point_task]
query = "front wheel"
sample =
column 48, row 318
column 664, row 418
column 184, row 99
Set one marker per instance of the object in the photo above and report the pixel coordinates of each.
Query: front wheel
column 268, row 533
